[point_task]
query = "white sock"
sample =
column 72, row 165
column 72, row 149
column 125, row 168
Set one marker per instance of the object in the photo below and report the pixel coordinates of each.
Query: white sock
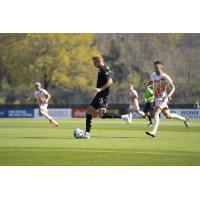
column 155, row 123
column 130, row 115
column 176, row 116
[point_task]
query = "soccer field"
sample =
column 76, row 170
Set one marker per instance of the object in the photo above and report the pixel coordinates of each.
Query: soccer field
column 34, row 142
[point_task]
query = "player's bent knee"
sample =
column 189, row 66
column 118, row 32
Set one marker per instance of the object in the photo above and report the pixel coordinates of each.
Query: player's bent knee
column 103, row 110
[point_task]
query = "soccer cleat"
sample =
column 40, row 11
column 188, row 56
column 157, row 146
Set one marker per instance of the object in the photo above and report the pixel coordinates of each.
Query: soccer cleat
column 186, row 122
column 127, row 119
column 150, row 134
column 56, row 125
column 86, row 135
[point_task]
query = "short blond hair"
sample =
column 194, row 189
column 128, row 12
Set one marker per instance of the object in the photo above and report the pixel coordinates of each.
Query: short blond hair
column 98, row 57
column 37, row 83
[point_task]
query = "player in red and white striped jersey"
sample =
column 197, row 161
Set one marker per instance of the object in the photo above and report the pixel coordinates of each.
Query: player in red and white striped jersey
column 160, row 82
column 42, row 97
column 134, row 103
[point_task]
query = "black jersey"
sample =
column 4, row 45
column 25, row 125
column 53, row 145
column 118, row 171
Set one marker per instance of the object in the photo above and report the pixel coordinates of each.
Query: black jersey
column 103, row 76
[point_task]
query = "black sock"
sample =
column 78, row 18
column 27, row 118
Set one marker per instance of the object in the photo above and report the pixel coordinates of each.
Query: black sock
column 110, row 115
column 149, row 117
column 88, row 122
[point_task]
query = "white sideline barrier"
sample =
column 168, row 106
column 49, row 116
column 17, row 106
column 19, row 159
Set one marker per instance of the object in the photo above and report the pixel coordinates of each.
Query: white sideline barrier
column 55, row 113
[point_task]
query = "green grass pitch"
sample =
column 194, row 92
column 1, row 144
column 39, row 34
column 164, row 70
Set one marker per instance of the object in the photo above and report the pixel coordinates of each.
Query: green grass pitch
column 33, row 142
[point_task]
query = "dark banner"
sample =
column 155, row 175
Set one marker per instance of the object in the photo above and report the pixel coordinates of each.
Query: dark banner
column 16, row 113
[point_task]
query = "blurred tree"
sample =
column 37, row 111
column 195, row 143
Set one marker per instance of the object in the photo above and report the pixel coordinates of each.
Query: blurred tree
column 136, row 53
column 54, row 59
column 62, row 62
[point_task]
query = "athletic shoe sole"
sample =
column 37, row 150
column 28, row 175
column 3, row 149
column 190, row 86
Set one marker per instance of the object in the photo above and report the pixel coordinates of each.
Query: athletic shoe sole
column 150, row 134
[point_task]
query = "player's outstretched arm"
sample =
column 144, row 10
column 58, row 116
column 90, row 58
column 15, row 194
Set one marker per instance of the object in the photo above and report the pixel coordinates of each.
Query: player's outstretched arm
column 172, row 87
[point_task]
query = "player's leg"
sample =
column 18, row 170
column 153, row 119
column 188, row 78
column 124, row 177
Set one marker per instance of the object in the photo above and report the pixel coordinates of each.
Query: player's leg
column 140, row 113
column 129, row 117
column 137, row 109
column 129, row 120
column 160, row 104
column 44, row 112
column 147, row 109
column 148, row 114
column 54, row 122
column 97, row 103
column 170, row 115
column 108, row 115
column 89, row 113
column 155, row 123
column 94, row 105
column 103, row 105
column 130, row 112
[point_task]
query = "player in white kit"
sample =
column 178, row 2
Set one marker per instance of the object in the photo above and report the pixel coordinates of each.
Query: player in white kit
column 134, row 103
column 42, row 97
column 160, row 82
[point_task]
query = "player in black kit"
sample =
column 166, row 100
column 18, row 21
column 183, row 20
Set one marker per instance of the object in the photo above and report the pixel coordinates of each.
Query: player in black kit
column 102, row 90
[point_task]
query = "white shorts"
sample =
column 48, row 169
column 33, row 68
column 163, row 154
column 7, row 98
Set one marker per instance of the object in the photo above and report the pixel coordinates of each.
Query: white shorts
column 161, row 103
column 43, row 107
column 134, row 106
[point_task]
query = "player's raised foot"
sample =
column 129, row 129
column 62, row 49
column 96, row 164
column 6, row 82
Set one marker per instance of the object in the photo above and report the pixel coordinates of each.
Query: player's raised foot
column 186, row 122
column 86, row 135
column 127, row 119
column 150, row 134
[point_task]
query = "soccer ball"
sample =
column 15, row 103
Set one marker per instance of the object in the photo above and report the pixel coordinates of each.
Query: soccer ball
column 78, row 133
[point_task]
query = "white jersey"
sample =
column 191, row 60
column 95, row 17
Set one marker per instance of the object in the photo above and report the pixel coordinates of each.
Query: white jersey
column 40, row 96
column 160, row 84
column 133, row 95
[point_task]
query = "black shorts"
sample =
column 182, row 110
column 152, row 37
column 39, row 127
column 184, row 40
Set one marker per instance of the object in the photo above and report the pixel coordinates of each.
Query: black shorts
column 148, row 107
column 99, row 102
